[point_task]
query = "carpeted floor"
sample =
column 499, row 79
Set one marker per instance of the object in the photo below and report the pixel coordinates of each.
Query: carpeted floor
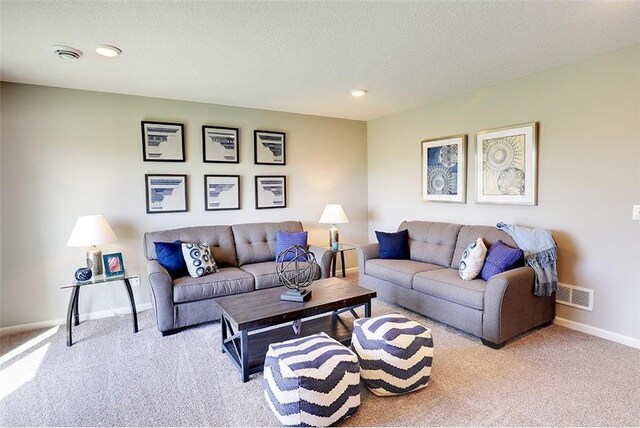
column 548, row 377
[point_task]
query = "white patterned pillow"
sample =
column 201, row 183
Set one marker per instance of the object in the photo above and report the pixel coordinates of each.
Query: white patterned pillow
column 472, row 260
column 198, row 259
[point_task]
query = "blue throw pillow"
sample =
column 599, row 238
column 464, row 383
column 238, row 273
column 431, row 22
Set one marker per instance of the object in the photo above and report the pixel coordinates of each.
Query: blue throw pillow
column 170, row 256
column 393, row 245
column 501, row 258
column 285, row 240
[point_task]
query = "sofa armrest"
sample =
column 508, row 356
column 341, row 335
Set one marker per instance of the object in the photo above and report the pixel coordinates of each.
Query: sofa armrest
column 323, row 258
column 511, row 308
column 366, row 252
column 162, row 292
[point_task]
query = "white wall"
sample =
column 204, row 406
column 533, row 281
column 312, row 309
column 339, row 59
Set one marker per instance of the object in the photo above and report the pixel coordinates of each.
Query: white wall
column 589, row 173
column 67, row 153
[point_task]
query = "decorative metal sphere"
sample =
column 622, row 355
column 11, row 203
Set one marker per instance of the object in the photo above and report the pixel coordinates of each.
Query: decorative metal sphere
column 296, row 267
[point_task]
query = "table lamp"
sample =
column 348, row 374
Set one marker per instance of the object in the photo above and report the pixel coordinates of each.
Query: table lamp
column 334, row 214
column 92, row 230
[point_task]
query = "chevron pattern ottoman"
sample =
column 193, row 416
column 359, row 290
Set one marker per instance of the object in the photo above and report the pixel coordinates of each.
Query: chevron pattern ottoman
column 395, row 353
column 313, row 381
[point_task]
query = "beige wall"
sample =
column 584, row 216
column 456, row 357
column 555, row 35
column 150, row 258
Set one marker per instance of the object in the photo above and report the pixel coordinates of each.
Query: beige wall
column 589, row 173
column 67, row 153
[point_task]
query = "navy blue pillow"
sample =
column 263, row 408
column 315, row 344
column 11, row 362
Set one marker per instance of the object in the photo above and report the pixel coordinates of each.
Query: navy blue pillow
column 170, row 256
column 393, row 245
column 285, row 240
column 501, row 258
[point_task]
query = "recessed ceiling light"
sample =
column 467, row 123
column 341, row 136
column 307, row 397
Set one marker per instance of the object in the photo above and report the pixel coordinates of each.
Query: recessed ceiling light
column 358, row 92
column 108, row 51
column 66, row 53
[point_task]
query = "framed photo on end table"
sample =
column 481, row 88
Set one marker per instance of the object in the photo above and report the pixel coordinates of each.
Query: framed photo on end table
column 162, row 142
column 113, row 264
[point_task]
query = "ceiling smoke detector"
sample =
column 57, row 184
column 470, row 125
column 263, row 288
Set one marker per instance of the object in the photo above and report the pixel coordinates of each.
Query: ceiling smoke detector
column 66, row 53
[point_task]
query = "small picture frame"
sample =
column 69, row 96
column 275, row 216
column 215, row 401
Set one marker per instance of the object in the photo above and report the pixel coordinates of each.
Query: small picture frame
column 507, row 165
column 113, row 264
column 162, row 142
column 166, row 193
column 269, row 147
column 271, row 191
column 444, row 169
column 221, row 192
column 220, row 144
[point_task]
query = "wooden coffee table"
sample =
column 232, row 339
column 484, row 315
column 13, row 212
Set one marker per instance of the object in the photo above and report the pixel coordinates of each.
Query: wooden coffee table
column 252, row 321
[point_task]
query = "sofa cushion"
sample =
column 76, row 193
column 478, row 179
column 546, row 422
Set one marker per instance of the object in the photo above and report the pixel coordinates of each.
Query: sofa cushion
column 431, row 242
column 219, row 238
column 170, row 257
column 393, row 245
column 256, row 242
column 490, row 235
column 265, row 273
column 501, row 258
column 399, row 272
column 229, row 280
column 199, row 260
column 286, row 240
column 446, row 284
column 472, row 260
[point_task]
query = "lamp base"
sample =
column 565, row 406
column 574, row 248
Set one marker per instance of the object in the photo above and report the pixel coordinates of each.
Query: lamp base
column 296, row 295
column 334, row 237
column 94, row 261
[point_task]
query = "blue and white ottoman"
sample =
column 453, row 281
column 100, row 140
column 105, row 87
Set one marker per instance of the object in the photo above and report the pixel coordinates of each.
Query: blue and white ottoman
column 395, row 353
column 313, row 381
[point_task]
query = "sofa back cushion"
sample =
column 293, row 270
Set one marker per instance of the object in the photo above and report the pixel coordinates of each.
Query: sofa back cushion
column 490, row 235
column 256, row 242
column 219, row 238
column 431, row 242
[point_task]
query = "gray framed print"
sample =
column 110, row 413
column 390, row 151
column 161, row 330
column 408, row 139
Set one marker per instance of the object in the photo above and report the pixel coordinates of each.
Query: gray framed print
column 220, row 144
column 166, row 193
column 162, row 142
column 221, row 192
column 269, row 147
column 271, row 191
column 507, row 166
column 444, row 169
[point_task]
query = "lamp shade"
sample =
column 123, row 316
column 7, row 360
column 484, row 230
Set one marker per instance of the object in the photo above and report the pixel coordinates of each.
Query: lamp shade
column 91, row 230
column 333, row 214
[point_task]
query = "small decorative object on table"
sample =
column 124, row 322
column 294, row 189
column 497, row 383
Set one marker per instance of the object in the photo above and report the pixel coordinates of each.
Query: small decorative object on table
column 296, row 269
column 83, row 274
column 113, row 265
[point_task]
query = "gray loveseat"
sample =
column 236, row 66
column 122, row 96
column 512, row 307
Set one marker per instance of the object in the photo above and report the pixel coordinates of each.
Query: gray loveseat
column 428, row 283
column 245, row 254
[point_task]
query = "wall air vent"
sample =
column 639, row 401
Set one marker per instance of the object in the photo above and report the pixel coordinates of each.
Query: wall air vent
column 577, row 297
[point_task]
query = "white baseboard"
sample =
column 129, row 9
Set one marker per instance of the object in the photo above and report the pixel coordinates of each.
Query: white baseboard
column 595, row 331
column 353, row 269
column 61, row 321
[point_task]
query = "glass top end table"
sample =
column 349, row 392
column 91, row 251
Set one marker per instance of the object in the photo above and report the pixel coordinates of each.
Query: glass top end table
column 341, row 249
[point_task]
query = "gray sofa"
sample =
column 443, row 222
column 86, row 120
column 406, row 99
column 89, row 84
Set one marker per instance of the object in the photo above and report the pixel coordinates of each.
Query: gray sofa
column 428, row 283
column 245, row 254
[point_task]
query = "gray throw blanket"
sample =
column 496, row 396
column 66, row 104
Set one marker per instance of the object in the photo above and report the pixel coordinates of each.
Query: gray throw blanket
column 540, row 253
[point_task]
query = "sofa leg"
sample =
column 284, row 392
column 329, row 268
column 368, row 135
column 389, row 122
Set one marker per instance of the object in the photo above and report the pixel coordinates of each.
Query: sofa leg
column 493, row 345
column 171, row 332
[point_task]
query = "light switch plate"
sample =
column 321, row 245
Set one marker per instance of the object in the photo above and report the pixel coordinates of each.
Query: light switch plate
column 135, row 282
column 636, row 212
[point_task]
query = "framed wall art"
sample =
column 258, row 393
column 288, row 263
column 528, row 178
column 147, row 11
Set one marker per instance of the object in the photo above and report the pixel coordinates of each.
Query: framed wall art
column 113, row 264
column 269, row 147
column 162, row 142
column 221, row 192
column 444, row 166
column 166, row 193
column 220, row 144
column 271, row 191
column 506, row 164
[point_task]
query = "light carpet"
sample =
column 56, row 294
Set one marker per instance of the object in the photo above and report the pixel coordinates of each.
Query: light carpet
column 547, row 377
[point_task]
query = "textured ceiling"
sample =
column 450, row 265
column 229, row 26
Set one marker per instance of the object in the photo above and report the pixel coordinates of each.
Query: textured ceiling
column 305, row 57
